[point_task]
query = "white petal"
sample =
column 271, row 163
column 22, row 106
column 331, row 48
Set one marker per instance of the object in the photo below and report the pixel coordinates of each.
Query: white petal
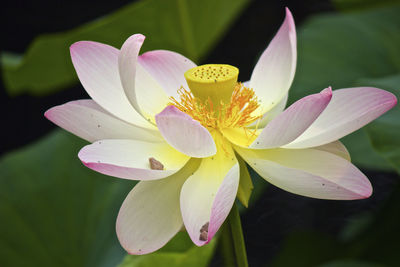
column 208, row 195
column 291, row 123
column 97, row 67
column 274, row 71
column 143, row 91
column 127, row 61
column 309, row 172
column 151, row 97
column 89, row 121
column 184, row 133
column 129, row 159
column 273, row 112
column 167, row 68
column 349, row 110
column 150, row 215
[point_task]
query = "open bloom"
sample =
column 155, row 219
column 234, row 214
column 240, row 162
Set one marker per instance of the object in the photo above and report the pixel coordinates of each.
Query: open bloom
column 183, row 131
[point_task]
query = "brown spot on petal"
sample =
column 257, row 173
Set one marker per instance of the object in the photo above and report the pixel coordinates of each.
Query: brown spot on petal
column 155, row 164
column 204, row 232
column 203, row 236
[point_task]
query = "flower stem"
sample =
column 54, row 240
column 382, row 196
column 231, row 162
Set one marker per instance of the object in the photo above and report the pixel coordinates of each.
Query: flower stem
column 233, row 232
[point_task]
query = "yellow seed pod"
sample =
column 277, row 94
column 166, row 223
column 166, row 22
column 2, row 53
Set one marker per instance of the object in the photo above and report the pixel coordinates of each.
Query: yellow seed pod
column 214, row 81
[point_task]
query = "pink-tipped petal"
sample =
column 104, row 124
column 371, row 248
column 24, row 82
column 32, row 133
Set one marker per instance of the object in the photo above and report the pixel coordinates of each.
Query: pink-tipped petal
column 208, row 195
column 150, row 215
column 127, row 61
column 167, row 68
column 130, row 159
column 223, row 201
column 309, row 172
column 348, row 111
column 97, row 67
column 184, row 133
column 89, row 121
column 144, row 92
column 274, row 71
column 291, row 123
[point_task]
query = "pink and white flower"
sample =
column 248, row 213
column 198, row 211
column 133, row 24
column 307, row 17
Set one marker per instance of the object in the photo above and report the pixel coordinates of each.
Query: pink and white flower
column 179, row 136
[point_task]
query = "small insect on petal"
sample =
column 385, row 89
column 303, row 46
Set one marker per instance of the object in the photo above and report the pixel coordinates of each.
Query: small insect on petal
column 204, row 232
column 155, row 164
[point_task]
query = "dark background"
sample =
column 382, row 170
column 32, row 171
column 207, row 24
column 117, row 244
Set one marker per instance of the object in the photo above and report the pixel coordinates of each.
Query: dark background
column 277, row 213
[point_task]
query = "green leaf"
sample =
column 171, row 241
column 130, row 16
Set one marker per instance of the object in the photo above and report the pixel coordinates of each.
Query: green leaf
column 337, row 50
column 56, row 212
column 303, row 249
column 351, row 5
column 188, row 27
column 180, row 252
column 371, row 239
column 245, row 183
column 350, row 263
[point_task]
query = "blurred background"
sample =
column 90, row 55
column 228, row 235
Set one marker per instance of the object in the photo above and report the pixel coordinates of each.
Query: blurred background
column 56, row 212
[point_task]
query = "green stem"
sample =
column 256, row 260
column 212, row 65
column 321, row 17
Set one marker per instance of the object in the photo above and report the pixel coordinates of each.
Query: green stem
column 233, row 232
column 226, row 246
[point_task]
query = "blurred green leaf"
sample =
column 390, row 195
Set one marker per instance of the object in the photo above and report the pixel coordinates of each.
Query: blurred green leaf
column 56, row 212
column 188, row 27
column 351, row 5
column 379, row 241
column 181, row 252
column 374, row 244
column 307, row 249
column 350, row 263
column 337, row 50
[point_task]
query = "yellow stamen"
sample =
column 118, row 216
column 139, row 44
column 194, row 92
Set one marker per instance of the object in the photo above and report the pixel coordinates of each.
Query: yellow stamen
column 214, row 81
column 232, row 114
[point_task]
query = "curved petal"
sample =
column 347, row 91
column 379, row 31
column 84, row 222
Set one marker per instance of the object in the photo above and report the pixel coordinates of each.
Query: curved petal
column 208, row 195
column 150, row 215
column 89, row 121
column 127, row 61
column 167, row 68
column 349, row 110
column 97, row 67
column 291, row 123
column 185, row 134
column 274, row 71
column 131, row 159
column 309, row 172
column 143, row 91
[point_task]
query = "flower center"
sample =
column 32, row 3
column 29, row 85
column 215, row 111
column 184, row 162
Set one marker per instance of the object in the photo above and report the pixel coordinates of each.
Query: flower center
column 214, row 81
column 216, row 99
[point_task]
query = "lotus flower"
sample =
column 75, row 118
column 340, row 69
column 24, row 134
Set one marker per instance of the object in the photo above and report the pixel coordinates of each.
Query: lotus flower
column 183, row 130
